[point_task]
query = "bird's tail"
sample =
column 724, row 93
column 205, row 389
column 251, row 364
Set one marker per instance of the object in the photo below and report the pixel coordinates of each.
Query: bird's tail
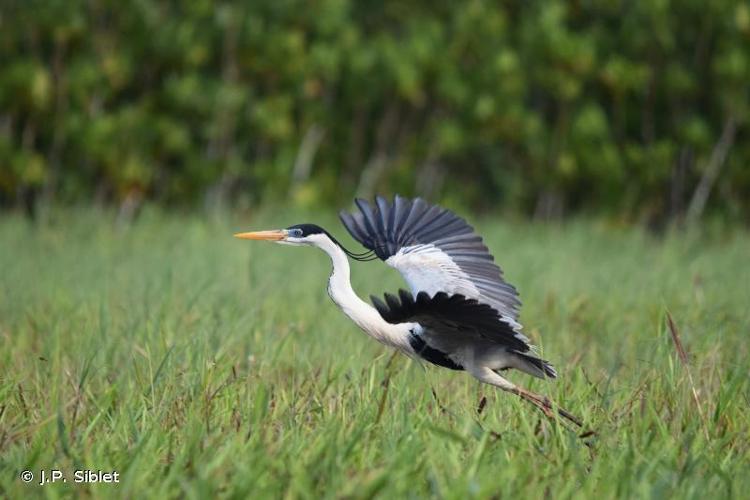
column 535, row 366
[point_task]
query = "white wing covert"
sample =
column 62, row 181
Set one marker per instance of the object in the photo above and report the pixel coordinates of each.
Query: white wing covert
column 435, row 251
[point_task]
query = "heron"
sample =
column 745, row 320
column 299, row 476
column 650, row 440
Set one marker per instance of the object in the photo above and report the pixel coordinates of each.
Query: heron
column 459, row 314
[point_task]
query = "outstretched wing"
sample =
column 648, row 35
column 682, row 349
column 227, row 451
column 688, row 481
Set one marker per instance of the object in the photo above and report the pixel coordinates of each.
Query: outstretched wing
column 451, row 324
column 466, row 319
column 434, row 250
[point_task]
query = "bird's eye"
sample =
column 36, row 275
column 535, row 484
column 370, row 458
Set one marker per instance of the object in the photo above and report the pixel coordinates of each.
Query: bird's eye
column 295, row 233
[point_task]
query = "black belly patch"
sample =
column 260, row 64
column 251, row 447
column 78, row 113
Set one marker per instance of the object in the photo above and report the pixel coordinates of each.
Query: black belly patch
column 430, row 354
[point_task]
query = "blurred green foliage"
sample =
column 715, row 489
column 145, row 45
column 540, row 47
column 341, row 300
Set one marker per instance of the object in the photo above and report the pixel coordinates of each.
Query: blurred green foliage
column 545, row 107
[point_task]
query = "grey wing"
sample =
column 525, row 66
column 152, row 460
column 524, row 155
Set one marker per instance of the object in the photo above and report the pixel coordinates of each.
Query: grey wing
column 435, row 251
column 458, row 320
column 450, row 326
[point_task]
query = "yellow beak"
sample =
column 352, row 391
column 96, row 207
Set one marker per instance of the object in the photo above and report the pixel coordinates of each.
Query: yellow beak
column 273, row 235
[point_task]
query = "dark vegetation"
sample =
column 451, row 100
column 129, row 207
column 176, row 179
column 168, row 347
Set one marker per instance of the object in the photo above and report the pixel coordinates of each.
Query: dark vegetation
column 544, row 108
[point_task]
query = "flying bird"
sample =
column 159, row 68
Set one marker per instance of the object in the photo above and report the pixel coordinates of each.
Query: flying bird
column 460, row 313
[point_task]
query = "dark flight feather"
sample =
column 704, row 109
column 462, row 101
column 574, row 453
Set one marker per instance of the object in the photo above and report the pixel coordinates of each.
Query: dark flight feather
column 385, row 228
column 454, row 310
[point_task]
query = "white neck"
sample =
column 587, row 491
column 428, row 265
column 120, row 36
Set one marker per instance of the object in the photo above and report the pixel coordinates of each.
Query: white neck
column 363, row 314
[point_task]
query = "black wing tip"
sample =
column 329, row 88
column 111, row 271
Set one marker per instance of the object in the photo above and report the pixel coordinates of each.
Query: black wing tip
column 405, row 300
column 394, row 308
column 406, row 297
column 380, row 306
column 456, row 308
column 378, row 303
column 393, row 302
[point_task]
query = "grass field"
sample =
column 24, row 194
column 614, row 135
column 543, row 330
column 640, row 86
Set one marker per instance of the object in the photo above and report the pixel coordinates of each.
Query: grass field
column 198, row 365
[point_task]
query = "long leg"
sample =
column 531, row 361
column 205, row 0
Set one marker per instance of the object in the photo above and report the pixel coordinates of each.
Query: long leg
column 488, row 376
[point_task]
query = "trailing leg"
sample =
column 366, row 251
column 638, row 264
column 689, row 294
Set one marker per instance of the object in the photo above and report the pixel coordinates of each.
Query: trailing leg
column 544, row 404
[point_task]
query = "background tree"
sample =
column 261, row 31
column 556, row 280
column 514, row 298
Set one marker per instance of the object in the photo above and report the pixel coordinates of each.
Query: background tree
column 546, row 108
